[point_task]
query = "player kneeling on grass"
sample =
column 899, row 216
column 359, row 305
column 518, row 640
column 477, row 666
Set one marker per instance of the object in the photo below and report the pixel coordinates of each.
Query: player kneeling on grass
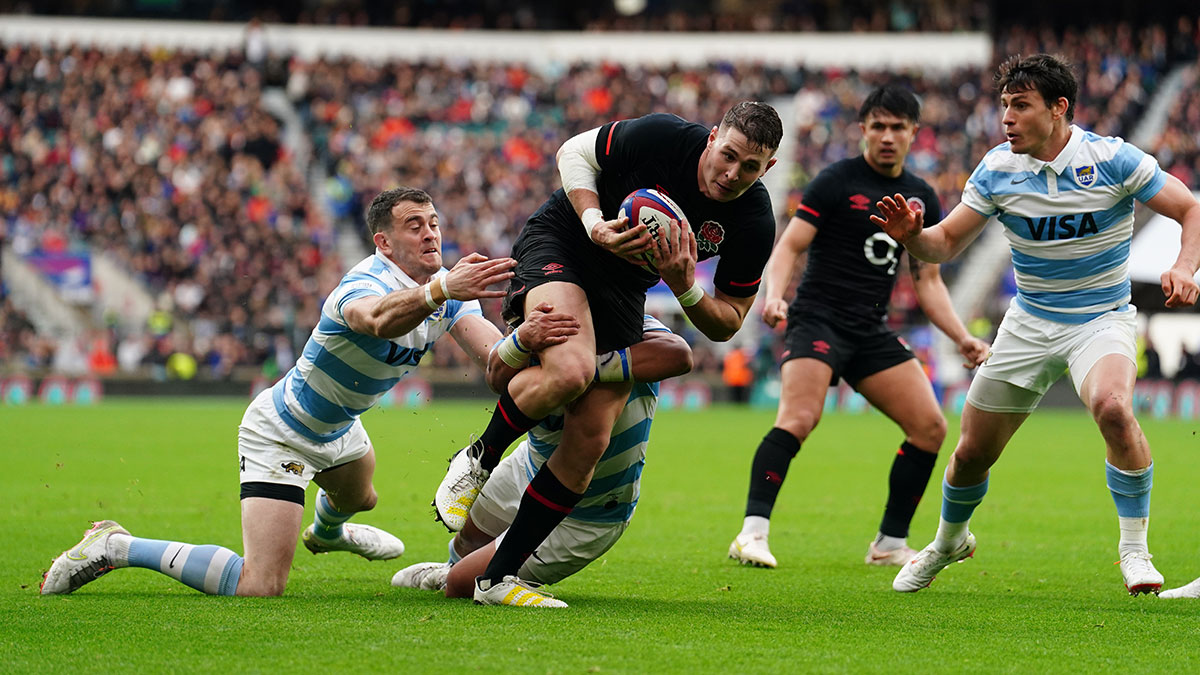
column 374, row 328
column 592, row 527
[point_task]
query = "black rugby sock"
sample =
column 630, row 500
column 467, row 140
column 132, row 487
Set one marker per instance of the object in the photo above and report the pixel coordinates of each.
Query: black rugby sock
column 508, row 424
column 543, row 506
column 910, row 475
column 768, row 470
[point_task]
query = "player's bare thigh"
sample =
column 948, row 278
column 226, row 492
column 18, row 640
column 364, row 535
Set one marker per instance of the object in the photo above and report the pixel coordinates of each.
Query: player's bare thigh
column 804, row 383
column 348, row 486
column 904, row 394
column 568, row 368
column 1107, row 391
column 270, row 528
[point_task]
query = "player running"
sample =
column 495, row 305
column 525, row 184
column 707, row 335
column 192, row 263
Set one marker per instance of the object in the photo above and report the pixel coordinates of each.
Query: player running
column 376, row 325
column 1065, row 197
column 572, row 256
column 836, row 326
column 601, row 516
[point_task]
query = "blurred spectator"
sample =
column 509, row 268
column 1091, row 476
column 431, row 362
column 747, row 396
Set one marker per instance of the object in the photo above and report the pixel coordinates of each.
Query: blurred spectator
column 737, row 374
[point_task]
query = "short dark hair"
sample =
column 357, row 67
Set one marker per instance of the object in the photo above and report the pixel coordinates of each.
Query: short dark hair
column 758, row 121
column 379, row 213
column 894, row 99
column 1051, row 76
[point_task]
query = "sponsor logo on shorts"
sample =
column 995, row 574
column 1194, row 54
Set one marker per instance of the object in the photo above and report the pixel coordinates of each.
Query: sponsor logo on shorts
column 552, row 268
column 710, row 236
column 821, row 346
column 293, row 467
column 860, row 202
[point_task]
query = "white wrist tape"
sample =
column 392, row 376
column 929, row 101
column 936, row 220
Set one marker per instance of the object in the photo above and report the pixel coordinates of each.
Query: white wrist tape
column 614, row 366
column 512, row 352
column 591, row 218
column 692, row 295
column 445, row 291
column 429, row 296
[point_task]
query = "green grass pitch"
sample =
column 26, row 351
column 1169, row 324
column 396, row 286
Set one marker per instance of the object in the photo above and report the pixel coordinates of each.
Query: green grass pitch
column 1041, row 594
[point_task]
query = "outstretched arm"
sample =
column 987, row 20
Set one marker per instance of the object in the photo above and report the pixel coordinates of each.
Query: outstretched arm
column 1175, row 201
column 934, row 299
column 659, row 356
column 934, row 244
column 399, row 312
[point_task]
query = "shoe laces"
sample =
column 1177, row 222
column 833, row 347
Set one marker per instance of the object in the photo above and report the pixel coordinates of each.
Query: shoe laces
column 1138, row 559
column 528, row 585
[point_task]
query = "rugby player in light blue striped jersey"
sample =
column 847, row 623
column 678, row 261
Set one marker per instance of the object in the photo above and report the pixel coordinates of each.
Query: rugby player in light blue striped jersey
column 600, row 518
column 375, row 326
column 1065, row 197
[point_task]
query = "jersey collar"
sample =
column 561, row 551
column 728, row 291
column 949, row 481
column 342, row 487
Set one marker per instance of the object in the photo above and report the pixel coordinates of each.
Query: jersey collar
column 1060, row 163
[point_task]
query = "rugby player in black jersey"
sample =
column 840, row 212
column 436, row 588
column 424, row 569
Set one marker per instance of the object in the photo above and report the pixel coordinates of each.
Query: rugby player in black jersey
column 575, row 254
column 836, row 329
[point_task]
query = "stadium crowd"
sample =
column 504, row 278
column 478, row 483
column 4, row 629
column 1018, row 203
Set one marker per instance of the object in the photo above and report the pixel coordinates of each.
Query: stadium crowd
column 168, row 163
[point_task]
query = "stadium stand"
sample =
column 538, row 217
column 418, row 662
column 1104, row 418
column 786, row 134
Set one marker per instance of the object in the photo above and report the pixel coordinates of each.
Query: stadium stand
column 169, row 162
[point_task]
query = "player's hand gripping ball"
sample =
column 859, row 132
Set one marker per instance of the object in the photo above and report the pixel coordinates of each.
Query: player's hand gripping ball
column 654, row 210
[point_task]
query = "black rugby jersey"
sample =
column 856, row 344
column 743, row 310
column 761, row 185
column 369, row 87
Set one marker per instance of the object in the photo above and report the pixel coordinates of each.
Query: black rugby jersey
column 851, row 262
column 662, row 152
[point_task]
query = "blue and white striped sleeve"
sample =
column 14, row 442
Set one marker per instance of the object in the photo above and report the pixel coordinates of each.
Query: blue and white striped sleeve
column 1139, row 172
column 457, row 309
column 354, row 286
column 977, row 194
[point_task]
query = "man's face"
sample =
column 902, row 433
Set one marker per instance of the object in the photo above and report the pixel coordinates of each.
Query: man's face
column 730, row 164
column 414, row 241
column 1029, row 121
column 888, row 138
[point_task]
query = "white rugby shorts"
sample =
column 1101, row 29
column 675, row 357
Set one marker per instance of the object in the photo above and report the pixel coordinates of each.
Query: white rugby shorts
column 570, row 547
column 272, row 452
column 1032, row 353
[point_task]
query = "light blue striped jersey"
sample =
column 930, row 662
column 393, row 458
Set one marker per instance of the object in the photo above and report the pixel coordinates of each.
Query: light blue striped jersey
column 341, row 374
column 616, row 483
column 1069, row 222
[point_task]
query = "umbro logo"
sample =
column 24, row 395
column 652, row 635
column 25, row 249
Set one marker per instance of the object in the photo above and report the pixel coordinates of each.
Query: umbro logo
column 553, row 268
column 820, row 346
column 860, row 202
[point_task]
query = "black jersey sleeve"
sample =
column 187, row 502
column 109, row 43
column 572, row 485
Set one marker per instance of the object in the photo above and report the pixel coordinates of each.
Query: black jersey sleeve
column 625, row 144
column 745, row 253
column 933, row 207
column 820, row 198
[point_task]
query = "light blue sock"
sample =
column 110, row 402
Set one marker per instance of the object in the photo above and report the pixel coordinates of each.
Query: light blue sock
column 454, row 556
column 1130, row 490
column 327, row 524
column 958, row 503
column 209, row 569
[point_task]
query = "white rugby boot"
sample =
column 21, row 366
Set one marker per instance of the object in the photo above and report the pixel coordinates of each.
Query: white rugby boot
column 1139, row 573
column 426, row 576
column 515, row 592
column 752, row 549
column 369, row 542
column 461, row 485
column 896, row 557
column 920, row 571
column 85, row 562
column 1192, row 590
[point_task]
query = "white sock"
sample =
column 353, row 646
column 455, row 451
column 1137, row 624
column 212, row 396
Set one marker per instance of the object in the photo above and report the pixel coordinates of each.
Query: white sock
column 885, row 543
column 1133, row 535
column 756, row 525
column 950, row 535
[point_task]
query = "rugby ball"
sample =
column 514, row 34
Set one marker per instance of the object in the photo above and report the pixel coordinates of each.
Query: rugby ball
column 656, row 211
